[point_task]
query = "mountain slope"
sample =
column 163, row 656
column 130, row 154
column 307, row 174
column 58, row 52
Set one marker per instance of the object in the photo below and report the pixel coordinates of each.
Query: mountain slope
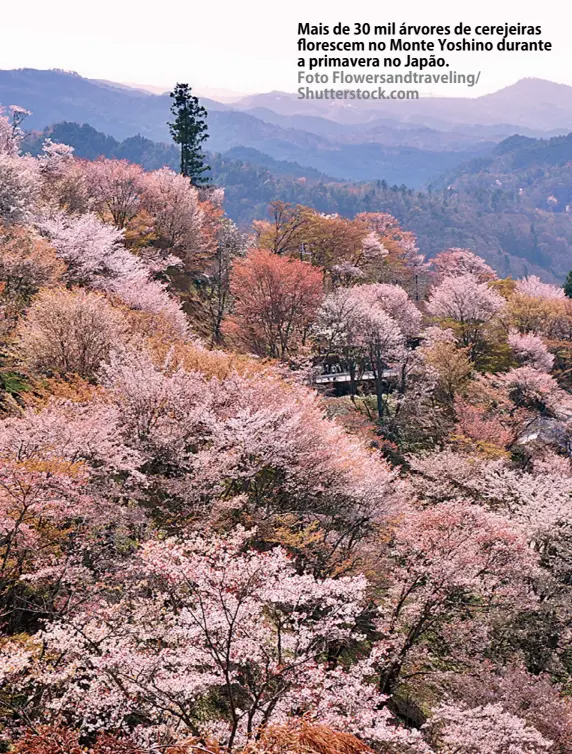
column 54, row 96
column 520, row 173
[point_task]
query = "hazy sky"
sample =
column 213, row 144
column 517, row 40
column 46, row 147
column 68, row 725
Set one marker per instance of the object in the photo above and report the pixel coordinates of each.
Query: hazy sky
column 248, row 45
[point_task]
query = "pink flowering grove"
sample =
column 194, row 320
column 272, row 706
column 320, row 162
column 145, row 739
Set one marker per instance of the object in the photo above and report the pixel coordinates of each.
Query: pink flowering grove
column 267, row 485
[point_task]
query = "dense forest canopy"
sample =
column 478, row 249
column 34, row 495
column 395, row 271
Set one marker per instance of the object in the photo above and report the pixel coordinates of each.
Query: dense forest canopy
column 200, row 550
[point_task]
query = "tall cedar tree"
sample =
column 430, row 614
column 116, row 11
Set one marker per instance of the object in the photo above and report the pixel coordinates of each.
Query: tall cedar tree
column 568, row 285
column 189, row 129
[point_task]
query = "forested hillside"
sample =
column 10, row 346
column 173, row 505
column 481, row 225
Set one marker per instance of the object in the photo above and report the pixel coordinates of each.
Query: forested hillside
column 510, row 208
column 200, row 551
column 521, row 174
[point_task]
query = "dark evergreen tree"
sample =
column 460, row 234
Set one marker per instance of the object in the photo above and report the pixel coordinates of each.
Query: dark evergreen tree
column 568, row 285
column 189, row 129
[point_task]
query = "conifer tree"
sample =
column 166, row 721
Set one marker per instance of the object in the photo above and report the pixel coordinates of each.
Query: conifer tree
column 568, row 285
column 189, row 129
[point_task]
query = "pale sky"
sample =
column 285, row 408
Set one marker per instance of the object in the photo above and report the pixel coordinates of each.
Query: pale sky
column 250, row 45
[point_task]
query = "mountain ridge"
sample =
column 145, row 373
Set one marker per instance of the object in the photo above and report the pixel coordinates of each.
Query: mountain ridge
column 395, row 155
column 529, row 102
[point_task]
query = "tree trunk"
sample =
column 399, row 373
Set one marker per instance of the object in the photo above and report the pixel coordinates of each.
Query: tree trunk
column 352, row 372
column 379, row 396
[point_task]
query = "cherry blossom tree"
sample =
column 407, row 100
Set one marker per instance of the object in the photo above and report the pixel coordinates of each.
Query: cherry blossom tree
column 205, row 619
column 96, row 257
column 55, row 160
column 368, row 325
column 87, row 433
column 533, row 287
column 276, row 300
column 69, row 332
column 394, row 300
column 55, row 513
column 459, row 262
column 33, row 503
column 164, row 415
column 27, row 263
column 537, row 500
column 215, row 282
column 91, row 248
column 64, row 183
column 152, row 296
column 448, row 559
column 8, row 145
column 261, row 446
column 459, row 730
column 530, row 350
column 115, row 188
column 373, row 249
column 337, row 330
column 11, row 134
column 474, row 423
column 346, row 273
column 534, row 698
column 468, row 302
column 175, row 207
column 530, row 387
column 19, row 188
column 381, row 338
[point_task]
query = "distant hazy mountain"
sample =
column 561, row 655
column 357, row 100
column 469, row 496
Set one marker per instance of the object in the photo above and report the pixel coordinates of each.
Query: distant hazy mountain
column 392, row 132
column 411, row 146
column 118, row 110
column 411, row 157
column 220, row 95
column 530, row 103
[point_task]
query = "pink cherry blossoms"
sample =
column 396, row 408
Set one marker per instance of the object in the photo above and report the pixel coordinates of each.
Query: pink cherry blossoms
column 532, row 286
column 288, row 488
